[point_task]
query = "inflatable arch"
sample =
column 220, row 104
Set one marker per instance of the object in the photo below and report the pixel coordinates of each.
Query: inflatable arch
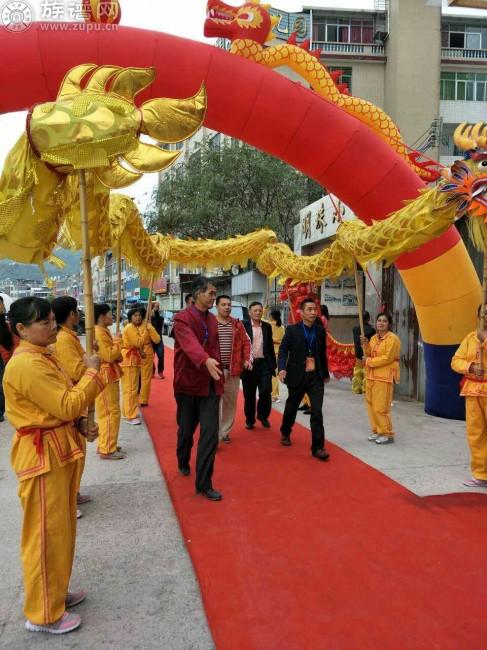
column 285, row 119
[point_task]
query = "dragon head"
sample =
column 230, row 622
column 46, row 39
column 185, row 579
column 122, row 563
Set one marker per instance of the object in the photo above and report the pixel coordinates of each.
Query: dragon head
column 468, row 178
column 97, row 125
column 250, row 20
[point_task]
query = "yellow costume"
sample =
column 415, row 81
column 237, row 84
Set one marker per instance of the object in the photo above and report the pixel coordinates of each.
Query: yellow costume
column 474, row 389
column 69, row 352
column 149, row 336
column 132, row 345
column 277, row 336
column 381, row 373
column 42, row 405
column 108, row 403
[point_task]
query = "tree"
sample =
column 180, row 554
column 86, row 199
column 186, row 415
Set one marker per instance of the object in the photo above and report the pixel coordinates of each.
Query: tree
column 229, row 190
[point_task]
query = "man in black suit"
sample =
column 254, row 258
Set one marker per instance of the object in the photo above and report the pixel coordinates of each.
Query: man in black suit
column 262, row 370
column 304, row 369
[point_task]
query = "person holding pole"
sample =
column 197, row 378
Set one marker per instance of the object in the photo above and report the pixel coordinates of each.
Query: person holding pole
column 149, row 338
column 47, row 412
column 358, row 379
column 132, row 352
column 381, row 373
column 107, row 404
column 470, row 360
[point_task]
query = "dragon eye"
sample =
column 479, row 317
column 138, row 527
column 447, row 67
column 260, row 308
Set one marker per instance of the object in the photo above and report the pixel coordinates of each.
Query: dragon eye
column 483, row 163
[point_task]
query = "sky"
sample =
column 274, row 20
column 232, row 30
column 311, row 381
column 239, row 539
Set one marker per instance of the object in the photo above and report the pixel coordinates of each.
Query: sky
column 182, row 18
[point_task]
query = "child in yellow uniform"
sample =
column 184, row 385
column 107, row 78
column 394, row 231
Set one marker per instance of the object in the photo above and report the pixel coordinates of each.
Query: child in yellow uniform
column 108, row 403
column 45, row 409
column 148, row 336
column 70, row 354
column 132, row 351
column 470, row 360
column 381, row 373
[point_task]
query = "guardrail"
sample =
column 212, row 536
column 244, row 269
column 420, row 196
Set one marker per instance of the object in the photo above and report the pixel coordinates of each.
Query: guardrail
column 369, row 49
column 461, row 53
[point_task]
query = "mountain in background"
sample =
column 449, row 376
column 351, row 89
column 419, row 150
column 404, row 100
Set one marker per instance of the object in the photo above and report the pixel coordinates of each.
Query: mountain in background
column 16, row 271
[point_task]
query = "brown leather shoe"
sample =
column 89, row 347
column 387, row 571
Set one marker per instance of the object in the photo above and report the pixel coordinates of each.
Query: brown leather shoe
column 321, row 454
column 286, row 441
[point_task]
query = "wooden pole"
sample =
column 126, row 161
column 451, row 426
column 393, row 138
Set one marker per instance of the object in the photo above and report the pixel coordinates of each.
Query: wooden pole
column 482, row 308
column 119, row 290
column 358, row 293
column 149, row 303
column 87, row 279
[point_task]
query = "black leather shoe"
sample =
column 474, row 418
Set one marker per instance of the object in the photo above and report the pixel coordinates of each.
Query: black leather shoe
column 266, row 424
column 211, row 494
column 321, row 454
column 307, row 412
column 302, row 408
column 185, row 471
column 286, row 441
column 249, row 425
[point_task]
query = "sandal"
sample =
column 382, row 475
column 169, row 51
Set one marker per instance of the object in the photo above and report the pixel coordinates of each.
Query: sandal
column 475, row 482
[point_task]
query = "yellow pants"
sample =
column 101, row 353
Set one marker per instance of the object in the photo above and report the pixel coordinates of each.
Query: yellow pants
column 358, row 379
column 476, row 409
column 130, row 391
column 146, row 378
column 82, row 460
column 378, row 396
column 108, row 416
column 275, row 387
column 48, row 540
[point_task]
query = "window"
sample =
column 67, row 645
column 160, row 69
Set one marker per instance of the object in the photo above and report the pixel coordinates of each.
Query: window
column 343, row 30
column 463, row 86
column 470, row 37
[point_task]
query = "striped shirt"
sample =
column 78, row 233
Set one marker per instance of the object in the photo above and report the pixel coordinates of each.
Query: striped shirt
column 225, row 337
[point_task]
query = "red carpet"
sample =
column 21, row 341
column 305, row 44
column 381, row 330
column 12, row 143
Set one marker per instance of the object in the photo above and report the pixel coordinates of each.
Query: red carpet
column 304, row 555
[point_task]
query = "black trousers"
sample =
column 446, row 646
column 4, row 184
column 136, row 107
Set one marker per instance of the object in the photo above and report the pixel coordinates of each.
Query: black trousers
column 205, row 411
column 159, row 350
column 2, row 396
column 315, row 388
column 260, row 377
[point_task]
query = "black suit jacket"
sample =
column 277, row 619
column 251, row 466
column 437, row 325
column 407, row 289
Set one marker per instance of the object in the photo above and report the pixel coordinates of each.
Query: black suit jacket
column 369, row 332
column 293, row 353
column 267, row 343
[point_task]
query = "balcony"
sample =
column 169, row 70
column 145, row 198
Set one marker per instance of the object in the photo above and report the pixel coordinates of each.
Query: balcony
column 462, row 54
column 351, row 49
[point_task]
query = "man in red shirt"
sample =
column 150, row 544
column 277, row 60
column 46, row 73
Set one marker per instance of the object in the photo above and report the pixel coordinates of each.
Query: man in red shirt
column 198, row 384
column 235, row 357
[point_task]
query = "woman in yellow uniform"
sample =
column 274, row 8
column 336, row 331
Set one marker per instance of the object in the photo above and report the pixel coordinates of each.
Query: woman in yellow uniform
column 45, row 409
column 470, row 360
column 70, row 354
column 132, row 352
column 277, row 336
column 381, row 372
column 148, row 336
column 108, row 403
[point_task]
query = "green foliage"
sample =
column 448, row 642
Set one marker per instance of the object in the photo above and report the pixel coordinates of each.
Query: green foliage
column 234, row 189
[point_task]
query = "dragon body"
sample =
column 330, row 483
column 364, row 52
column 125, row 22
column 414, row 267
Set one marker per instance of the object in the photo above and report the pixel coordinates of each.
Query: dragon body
column 249, row 27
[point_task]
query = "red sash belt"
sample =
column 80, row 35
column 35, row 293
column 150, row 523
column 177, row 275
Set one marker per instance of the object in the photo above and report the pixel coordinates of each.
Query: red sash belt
column 113, row 372
column 38, row 432
column 477, row 380
column 134, row 352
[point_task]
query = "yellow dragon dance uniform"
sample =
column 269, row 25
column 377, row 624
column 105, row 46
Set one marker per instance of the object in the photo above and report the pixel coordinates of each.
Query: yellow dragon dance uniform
column 108, row 402
column 474, row 389
column 132, row 345
column 69, row 352
column 381, row 373
column 42, row 405
column 148, row 336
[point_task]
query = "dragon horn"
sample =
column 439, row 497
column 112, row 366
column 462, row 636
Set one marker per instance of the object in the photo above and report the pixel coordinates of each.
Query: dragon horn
column 479, row 133
column 462, row 138
column 173, row 120
column 71, row 84
column 100, row 77
column 130, row 81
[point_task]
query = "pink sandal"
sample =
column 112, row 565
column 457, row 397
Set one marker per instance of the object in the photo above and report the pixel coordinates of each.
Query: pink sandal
column 476, row 482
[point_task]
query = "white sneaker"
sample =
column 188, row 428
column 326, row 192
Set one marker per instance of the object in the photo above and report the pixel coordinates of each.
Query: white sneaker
column 134, row 421
column 384, row 440
column 79, row 514
column 67, row 623
column 373, row 437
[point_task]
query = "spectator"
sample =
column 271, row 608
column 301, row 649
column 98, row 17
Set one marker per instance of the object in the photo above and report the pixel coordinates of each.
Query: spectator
column 277, row 336
column 198, row 384
column 158, row 324
column 259, row 376
column 235, row 358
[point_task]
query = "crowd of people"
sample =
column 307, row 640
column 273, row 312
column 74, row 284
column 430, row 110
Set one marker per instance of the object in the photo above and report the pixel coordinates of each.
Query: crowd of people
column 51, row 387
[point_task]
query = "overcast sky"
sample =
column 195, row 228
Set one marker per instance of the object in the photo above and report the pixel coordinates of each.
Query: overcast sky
column 183, row 18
